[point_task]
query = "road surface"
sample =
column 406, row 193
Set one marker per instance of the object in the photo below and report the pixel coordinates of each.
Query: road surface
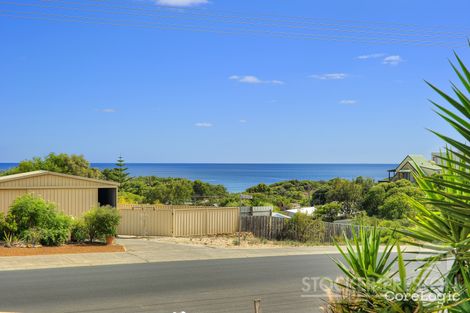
column 212, row 286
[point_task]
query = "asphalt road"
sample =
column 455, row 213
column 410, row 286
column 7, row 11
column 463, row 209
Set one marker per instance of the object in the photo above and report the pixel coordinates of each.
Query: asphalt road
column 213, row 286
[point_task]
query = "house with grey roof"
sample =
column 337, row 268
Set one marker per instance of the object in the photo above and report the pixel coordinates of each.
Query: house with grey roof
column 409, row 166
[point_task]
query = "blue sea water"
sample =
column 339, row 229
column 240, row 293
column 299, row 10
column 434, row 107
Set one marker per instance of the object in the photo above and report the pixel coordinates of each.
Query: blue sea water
column 238, row 177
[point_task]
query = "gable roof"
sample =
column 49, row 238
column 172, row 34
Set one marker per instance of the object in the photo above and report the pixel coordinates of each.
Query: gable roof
column 419, row 160
column 41, row 173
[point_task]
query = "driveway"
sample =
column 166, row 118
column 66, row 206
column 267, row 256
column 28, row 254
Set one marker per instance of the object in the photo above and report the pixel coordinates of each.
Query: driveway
column 156, row 250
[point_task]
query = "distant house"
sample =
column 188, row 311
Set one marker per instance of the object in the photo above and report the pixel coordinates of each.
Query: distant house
column 410, row 165
column 256, row 211
column 280, row 215
column 308, row 211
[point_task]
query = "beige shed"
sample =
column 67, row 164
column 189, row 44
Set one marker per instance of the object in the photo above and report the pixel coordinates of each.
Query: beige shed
column 73, row 195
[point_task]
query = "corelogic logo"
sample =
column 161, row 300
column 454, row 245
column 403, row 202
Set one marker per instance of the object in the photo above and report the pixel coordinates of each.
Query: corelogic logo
column 422, row 296
column 319, row 287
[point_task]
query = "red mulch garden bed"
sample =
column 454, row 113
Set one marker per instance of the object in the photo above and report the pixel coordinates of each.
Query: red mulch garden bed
column 65, row 249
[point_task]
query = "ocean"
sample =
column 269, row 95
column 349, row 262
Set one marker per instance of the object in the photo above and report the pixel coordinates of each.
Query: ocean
column 238, row 177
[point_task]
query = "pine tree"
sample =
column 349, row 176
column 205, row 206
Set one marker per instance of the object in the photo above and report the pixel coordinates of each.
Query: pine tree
column 120, row 172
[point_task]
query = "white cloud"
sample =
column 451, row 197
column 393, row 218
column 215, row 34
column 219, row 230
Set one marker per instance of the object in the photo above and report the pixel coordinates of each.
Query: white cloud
column 180, row 3
column 370, row 56
column 250, row 79
column 107, row 110
column 203, row 124
column 392, row 60
column 243, row 121
column 348, row 101
column 330, row 76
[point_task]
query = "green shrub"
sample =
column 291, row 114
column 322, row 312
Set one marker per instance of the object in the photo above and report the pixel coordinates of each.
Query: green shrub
column 56, row 230
column 32, row 236
column 304, row 228
column 78, row 231
column 395, row 207
column 6, row 225
column 101, row 222
column 388, row 228
column 29, row 211
column 330, row 211
column 10, row 239
column 34, row 218
column 130, row 198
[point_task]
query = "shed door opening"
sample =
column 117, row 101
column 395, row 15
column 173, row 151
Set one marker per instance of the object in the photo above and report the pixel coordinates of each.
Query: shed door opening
column 107, row 196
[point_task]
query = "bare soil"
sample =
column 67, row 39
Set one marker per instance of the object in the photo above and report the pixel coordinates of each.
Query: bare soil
column 247, row 240
column 65, row 249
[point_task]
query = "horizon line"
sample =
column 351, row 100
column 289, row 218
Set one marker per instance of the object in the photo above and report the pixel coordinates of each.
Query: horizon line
column 241, row 163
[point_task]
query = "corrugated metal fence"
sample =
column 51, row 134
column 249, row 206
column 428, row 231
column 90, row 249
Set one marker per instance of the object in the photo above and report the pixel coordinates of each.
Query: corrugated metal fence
column 180, row 220
column 176, row 220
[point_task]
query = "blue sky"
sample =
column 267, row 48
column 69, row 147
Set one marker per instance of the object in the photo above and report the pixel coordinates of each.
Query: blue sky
column 157, row 95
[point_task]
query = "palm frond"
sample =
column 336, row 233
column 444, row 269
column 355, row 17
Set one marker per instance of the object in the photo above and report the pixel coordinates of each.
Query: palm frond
column 443, row 219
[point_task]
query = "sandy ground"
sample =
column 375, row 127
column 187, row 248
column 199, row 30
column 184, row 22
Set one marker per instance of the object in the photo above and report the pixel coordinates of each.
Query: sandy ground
column 247, row 240
column 65, row 249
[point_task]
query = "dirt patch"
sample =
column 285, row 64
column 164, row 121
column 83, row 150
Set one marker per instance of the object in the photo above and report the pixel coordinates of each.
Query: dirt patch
column 65, row 249
column 247, row 240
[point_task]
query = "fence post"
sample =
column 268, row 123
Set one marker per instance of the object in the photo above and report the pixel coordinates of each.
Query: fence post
column 206, row 230
column 270, row 228
column 173, row 222
column 142, row 223
column 239, row 225
column 257, row 306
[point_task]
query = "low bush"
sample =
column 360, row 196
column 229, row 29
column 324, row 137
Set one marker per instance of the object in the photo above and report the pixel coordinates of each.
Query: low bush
column 10, row 239
column 7, row 226
column 78, row 232
column 29, row 211
column 329, row 212
column 101, row 222
column 56, row 230
column 32, row 236
column 395, row 207
column 34, row 219
column 388, row 228
column 304, row 228
column 130, row 198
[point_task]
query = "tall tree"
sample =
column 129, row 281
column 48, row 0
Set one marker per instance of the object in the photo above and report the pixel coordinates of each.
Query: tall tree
column 122, row 176
column 118, row 173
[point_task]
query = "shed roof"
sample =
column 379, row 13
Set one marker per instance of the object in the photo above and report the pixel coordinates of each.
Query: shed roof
column 32, row 174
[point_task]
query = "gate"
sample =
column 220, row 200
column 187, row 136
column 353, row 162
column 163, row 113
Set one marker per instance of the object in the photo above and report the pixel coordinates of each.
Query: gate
column 146, row 221
column 176, row 220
